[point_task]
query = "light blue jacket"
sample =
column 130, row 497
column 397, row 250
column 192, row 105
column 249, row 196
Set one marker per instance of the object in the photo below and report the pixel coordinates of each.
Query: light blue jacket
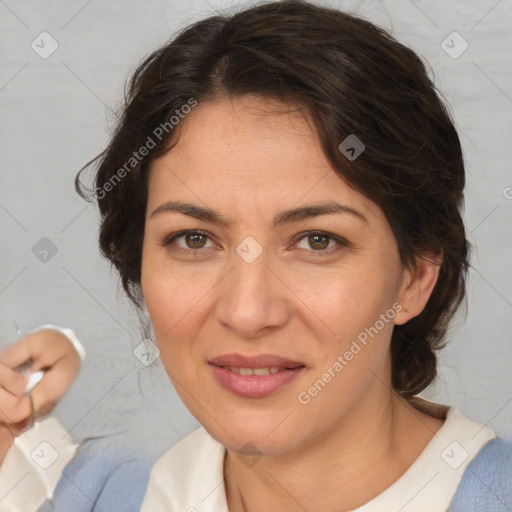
column 486, row 484
column 101, row 478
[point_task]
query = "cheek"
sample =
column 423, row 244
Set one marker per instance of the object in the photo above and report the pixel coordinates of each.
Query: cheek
column 170, row 293
column 344, row 301
column 176, row 302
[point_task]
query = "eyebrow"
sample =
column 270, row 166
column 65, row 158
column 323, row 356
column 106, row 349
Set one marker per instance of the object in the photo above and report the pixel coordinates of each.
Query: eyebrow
column 281, row 218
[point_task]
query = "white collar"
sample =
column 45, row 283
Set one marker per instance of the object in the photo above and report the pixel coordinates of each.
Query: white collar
column 431, row 481
column 190, row 475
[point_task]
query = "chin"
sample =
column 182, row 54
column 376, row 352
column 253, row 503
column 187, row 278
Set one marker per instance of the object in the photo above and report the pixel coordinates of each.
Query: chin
column 265, row 434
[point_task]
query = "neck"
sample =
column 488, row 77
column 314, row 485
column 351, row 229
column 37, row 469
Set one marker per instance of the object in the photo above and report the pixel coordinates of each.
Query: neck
column 343, row 469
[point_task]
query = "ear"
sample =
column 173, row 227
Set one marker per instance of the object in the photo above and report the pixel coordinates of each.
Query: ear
column 417, row 285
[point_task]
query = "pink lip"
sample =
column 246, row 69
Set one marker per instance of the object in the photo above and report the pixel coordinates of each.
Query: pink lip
column 254, row 386
column 259, row 361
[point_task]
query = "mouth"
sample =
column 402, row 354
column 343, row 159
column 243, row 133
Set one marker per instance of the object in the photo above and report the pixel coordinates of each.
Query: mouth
column 254, row 376
column 252, row 362
column 257, row 371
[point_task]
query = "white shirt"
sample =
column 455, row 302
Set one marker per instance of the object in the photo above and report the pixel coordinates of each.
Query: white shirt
column 189, row 477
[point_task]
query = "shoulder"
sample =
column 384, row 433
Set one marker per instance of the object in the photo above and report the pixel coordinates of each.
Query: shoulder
column 487, row 481
column 494, row 462
column 104, row 476
column 191, row 468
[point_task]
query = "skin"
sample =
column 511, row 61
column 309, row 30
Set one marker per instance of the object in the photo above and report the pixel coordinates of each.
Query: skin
column 48, row 349
column 249, row 159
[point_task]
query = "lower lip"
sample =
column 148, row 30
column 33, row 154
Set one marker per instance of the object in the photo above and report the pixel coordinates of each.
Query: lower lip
column 254, row 386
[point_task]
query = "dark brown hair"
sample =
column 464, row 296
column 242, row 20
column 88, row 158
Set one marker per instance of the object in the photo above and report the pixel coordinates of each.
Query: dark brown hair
column 351, row 77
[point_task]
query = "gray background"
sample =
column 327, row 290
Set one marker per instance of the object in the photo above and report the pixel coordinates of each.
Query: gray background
column 56, row 114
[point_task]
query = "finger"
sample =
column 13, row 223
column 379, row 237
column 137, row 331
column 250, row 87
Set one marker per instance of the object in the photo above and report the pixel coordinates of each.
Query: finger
column 46, row 346
column 14, row 409
column 17, row 429
column 55, row 383
column 12, row 380
column 17, row 353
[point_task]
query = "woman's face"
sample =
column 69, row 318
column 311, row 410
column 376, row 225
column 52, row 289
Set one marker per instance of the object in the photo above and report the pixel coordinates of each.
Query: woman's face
column 302, row 300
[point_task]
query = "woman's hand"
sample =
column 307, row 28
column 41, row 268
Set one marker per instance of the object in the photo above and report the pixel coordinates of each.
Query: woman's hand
column 46, row 349
column 13, row 407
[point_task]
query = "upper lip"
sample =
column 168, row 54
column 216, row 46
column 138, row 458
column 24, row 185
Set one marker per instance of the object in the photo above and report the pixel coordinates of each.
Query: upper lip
column 257, row 361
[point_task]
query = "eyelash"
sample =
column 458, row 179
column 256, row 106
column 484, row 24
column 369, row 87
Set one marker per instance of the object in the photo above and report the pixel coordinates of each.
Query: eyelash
column 169, row 240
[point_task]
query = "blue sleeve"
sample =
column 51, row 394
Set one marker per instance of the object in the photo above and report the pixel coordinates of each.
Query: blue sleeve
column 486, row 484
column 101, row 478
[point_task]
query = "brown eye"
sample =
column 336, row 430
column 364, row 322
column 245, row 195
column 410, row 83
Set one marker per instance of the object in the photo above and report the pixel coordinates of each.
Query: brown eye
column 188, row 241
column 318, row 242
column 195, row 240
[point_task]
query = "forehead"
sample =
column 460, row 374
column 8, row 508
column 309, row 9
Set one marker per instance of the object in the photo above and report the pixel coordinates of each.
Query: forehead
column 249, row 149
column 250, row 133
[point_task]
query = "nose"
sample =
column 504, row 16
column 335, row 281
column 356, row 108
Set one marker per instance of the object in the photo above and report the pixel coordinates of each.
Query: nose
column 252, row 300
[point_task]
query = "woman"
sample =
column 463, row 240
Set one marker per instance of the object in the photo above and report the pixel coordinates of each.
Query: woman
column 283, row 195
